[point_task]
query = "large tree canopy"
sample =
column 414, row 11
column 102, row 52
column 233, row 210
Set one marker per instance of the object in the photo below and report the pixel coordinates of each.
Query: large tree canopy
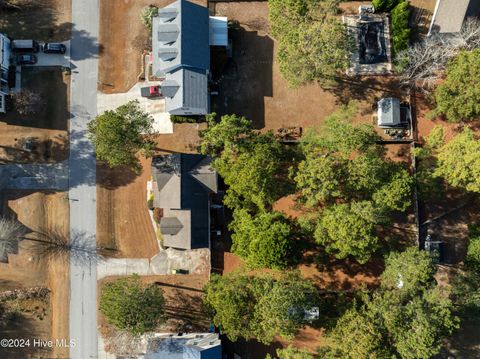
column 345, row 174
column 252, row 173
column 406, row 321
column 129, row 305
column 250, row 163
column 313, row 45
column 230, row 131
column 458, row 97
column 348, row 230
column 408, row 271
column 120, row 134
column 259, row 307
column 263, row 240
column 458, row 161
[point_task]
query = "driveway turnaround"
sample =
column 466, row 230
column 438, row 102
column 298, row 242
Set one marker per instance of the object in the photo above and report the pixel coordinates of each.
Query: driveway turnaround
column 82, row 177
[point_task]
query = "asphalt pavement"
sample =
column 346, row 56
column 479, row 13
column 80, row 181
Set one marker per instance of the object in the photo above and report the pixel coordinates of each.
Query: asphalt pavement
column 82, row 177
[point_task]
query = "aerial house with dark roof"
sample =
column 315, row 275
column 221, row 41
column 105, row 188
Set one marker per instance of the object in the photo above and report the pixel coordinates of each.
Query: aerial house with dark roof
column 182, row 186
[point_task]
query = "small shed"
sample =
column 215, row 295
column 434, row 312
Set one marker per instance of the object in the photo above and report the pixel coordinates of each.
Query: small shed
column 389, row 112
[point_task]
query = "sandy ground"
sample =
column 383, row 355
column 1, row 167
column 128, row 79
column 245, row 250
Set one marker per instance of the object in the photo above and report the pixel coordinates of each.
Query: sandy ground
column 123, row 222
column 123, row 37
column 251, row 83
column 39, row 211
column 43, row 20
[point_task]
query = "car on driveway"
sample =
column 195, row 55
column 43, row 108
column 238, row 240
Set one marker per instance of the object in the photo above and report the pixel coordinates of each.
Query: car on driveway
column 27, row 59
column 54, row 48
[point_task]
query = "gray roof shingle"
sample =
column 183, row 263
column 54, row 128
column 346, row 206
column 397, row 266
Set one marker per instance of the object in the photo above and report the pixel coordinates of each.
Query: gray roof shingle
column 182, row 185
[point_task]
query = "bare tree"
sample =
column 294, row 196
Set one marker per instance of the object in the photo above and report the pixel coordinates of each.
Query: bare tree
column 79, row 248
column 425, row 61
column 28, row 102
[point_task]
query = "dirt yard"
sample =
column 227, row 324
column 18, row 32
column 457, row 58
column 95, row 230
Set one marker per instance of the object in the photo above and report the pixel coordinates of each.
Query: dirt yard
column 41, row 20
column 251, row 83
column 123, row 37
column 40, row 137
column 183, row 303
column 37, row 211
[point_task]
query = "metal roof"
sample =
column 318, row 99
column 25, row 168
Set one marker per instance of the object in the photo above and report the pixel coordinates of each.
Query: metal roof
column 389, row 112
column 182, row 28
column 218, row 31
column 449, row 15
column 186, row 92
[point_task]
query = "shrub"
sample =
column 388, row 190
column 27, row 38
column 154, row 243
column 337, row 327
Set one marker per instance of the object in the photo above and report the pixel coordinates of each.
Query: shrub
column 384, row 5
column 147, row 15
column 128, row 304
column 400, row 29
column 184, row 119
column 473, row 251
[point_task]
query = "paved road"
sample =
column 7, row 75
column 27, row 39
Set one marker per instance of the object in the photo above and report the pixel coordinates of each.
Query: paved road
column 83, row 103
column 28, row 176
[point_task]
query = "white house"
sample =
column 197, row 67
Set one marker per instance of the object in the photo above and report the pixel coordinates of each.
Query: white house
column 4, row 65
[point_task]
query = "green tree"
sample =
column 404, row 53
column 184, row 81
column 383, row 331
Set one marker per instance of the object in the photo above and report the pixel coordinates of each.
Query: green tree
column 292, row 352
column 384, row 5
column 459, row 161
column 408, row 271
column 395, row 195
column 263, row 240
column 230, row 131
column 400, row 27
column 259, row 307
column 458, row 97
column 346, row 230
column 472, row 261
column 319, row 178
column 429, row 184
column 466, row 284
column 356, row 335
column 252, row 172
column 230, row 302
column 313, row 46
column 128, row 304
column 120, row 134
column 396, row 322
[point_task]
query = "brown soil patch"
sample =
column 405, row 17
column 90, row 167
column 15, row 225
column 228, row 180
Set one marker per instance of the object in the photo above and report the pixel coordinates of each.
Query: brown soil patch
column 251, row 84
column 38, row 211
column 123, row 222
column 46, row 130
column 123, row 38
column 45, row 20
column 184, row 138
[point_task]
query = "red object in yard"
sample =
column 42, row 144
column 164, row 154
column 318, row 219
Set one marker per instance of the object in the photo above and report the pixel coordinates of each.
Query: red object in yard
column 155, row 90
column 151, row 91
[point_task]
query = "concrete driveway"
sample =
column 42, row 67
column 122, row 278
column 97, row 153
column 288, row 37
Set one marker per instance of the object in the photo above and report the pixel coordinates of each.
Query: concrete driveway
column 53, row 59
column 154, row 106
